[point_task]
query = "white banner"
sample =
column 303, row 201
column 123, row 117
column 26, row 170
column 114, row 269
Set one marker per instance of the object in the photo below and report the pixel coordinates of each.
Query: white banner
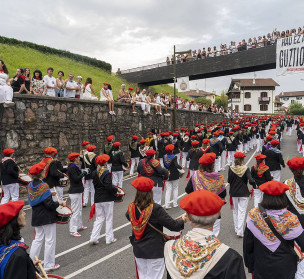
column 183, row 84
column 290, row 55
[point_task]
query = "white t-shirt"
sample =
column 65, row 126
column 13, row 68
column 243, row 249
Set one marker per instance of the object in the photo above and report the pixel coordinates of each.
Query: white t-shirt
column 50, row 81
column 70, row 93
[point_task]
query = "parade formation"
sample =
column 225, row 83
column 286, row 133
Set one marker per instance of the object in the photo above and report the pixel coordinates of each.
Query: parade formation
column 272, row 232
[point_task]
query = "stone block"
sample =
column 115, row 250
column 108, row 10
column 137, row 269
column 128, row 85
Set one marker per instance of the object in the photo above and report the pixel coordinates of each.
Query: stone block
column 63, row 107
column 61, row 116
column 50, row 107
column 20, row 105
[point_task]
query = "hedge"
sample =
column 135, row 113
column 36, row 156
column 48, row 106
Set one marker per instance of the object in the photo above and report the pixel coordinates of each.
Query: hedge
column 45, row 49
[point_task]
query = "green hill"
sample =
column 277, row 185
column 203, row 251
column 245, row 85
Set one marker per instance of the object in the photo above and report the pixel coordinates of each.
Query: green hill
column 20, row 56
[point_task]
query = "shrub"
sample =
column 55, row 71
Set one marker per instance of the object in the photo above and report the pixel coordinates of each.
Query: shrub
column 296, row 109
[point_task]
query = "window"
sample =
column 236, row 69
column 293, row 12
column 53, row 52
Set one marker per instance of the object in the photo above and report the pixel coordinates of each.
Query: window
column 247, row 107
column 263, row 107
column 264, row 94
column 285, row 98
column 236, row 108
column 247, row 95
column 292, row 101
column 236, row 95
column 299, row 98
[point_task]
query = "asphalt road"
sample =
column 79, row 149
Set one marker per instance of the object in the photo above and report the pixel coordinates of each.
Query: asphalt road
column 79, row 259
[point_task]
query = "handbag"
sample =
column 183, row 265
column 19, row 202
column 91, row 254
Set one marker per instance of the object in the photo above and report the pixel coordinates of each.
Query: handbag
column 292, row 250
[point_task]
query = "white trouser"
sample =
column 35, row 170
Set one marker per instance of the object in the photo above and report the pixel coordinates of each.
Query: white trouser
column 230, row 160
column 299, row 147
column 276, row 175
column 59, row 191
column 10, row 191
column 251, row 143
column 117, row 177
column 184, row 161
column 7, row 93
column 223, row 159
column 258, row 197
column 259, row 145
column 109, row 167
column 246, row 147
column 217, row 227
column 76, row 206
column 104, row 212
column 217, row 165
column 150, row 268
column 142, row 104
column 171, row 185
column 161, row 161
column 300, row 270
column 302, row 149
column 148, row 108
column 239, row 213
column 178, row 157
column 48, row 232
column 134, row 161
column 240, row 148
column 88, row 188
column 157, row 194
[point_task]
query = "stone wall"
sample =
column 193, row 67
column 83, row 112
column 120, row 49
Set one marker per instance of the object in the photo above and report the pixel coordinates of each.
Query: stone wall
column 37, row 122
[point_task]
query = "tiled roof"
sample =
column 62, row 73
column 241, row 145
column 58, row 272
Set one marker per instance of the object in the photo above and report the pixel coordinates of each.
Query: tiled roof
column 199, row 93
column 291, row 94
column 248, row 82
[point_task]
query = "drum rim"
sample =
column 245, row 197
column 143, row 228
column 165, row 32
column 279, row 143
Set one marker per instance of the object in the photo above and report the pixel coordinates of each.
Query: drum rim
column 120, row 194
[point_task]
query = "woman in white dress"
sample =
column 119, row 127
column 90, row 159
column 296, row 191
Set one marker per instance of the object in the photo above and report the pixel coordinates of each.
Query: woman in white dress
column 88, row 91
column 106, row 95
column 6, row 91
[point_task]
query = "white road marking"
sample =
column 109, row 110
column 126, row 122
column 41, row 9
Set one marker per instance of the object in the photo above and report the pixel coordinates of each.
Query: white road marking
column 250, row 158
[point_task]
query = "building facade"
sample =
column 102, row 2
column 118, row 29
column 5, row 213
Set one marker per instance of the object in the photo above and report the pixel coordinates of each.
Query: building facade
column 252, row 95
column 201, row 93
column 287, row 98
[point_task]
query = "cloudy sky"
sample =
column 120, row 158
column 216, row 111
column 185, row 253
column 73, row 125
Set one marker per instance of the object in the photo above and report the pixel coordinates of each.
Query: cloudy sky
column 130, row 33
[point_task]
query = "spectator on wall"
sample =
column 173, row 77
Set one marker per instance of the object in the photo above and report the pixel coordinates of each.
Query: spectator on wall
column 38, row 85
column 17, row 82
column 50, row 82
column 27, row 81
column 70, row 87
column 60, row 82
column 88, row 91
column 78, row 94
column 6, row 91
column 106, row 95
column 123, row 95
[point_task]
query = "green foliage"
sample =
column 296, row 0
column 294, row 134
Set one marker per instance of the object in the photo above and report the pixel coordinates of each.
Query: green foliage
column 296, row 109
column 49, row 50
column 221, row 100
column 202, row 100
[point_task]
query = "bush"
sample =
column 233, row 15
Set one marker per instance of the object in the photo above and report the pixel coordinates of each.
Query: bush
column 202, row 100
column 296, row 109
column 222, row 100
column 44, row 49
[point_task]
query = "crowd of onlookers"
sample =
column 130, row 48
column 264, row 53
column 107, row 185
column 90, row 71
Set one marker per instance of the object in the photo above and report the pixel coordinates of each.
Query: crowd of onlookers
column 224, row 49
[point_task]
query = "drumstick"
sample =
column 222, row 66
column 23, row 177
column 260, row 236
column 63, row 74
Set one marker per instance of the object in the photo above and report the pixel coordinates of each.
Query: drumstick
column 38, row 275
column 56, row 194
column 20, row 169
column 41, row 268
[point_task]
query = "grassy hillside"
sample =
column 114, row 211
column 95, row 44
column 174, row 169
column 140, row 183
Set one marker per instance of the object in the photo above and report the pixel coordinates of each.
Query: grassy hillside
column 20, row 57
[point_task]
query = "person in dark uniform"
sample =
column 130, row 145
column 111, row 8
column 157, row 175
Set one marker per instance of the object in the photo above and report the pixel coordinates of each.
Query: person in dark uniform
column 108, row 148
column 186, row 146
column 171, row 164
column 135, row 154
column 15, row 262
column 265, row 255
column 84, row 145
column 103, row 201
column 148, row 219
column 118, row 164
column 193, row 155
column 161, row 144
column 224, row 143
column 142, row 148
column 9, row 176
column 151, row 168
column 232, row 145
column 261, row 174
column 217, row 148
column 199, row 253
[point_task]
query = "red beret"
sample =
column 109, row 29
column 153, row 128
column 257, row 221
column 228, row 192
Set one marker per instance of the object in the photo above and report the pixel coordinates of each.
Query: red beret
column 271, row 132
column 196, row 125
column 175, row 129
column 205, row 141
column 50, row 150
column 135, row 137
column 8, row 151
column 91, row 148
column 167, row 93
column 239, row 155
column 221, row 132
column 296, row 163
column 215, row 133
column 187, row 134
column 274, row 188
column 202, row 123
column 116, row 144
column 269, row 137
column 37, row 168
column 260, row 157
column 209, row 131
column 175, row 134
column 102, row 159
column 9, row 211
column 110, row 138
column 143, row 184
column 150, row 152
column 202, row 203
column 193, row 137
column 85, row 143
column 72, row 156
column 106, row 83
column 195, row 143
column 274, row 142
column 169, row 147
column 130, row 88
column 207, row 159
column 231, row 133
column 143, row 141
column 150, row 133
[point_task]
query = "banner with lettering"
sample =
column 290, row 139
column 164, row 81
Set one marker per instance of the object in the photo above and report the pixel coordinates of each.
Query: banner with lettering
column 183, row 84
column 290, row 55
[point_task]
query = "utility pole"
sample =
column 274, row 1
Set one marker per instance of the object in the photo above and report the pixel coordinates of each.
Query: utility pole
column 174, row 80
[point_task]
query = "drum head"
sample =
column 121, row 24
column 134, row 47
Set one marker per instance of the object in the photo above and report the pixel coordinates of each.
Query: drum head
column 171, row 233
column 65, row 210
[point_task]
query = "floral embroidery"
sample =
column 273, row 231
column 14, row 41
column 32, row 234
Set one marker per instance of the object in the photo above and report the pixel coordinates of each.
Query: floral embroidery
column 189, row 255
column 292, row 192
column 201, row 181
column 149, row 170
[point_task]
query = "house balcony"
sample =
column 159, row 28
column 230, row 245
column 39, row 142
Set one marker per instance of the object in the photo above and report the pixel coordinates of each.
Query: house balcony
column 264, row 100
column 235, row 100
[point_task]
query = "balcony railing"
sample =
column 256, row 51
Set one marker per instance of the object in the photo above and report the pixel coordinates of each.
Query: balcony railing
column 235, row 100
column 264, row 99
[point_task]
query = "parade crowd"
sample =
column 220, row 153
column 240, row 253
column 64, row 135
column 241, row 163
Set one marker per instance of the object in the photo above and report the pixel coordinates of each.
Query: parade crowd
column 272, row 232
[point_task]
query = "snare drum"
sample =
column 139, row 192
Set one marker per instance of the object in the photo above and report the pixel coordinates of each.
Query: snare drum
column 24, row 179
column 51, row 276
column 64, row 214
column 119, row 195
column 169, row 235
column 63, row 182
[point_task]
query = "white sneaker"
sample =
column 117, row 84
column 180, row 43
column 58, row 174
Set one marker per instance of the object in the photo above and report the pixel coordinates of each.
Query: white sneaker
column 113, row 241
column 113, row 113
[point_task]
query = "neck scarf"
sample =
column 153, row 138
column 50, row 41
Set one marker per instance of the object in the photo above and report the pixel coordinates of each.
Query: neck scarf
column 276, row 150
column 294, row 195
column 7, row 158
column 213, row 182
column 239, row 170
column 102, row 173
column 168, row 158
column 213, row 141
column 73, row 164
column 260, row 169
column 286, row 223
column 139, row 225
column 148, row 169
column 206, row 149
column 47, row 161
column 37, row 194
column 108, row 148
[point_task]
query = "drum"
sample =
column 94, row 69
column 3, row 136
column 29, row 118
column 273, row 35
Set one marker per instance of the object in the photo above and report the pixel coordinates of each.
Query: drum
column 51, row 276
column 24, row 179
column 169, row 235
column 64, row 214
column 119, row 195
column 63, row 182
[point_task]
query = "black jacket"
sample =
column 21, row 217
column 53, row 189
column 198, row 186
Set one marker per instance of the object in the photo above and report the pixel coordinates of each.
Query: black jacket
column 91, row 166
column 9, row 172
column 194, row 155
column 238, row 185
column 75, row 176
column 151, row 245
column 104, row 190
column 177, row 146
column 173, row 169
column 274, row 160
column 186, row 145
column 162, row 143
column 232, row 144
column 44, row 213
column 54, row 174
column 134, row 151
column 118, row 160
column 260, row 180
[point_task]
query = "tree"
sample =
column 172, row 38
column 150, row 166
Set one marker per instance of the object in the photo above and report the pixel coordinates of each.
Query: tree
column 296, row 109
column 202, row 100
column 222, row 100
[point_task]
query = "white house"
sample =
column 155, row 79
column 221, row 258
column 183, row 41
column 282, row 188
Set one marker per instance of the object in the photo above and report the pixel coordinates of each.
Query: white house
column 252, row 95
column 290, row 97
column 201, row 93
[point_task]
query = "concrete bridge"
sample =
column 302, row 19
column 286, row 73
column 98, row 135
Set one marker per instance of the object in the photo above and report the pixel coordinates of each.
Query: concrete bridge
column 235, row 63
